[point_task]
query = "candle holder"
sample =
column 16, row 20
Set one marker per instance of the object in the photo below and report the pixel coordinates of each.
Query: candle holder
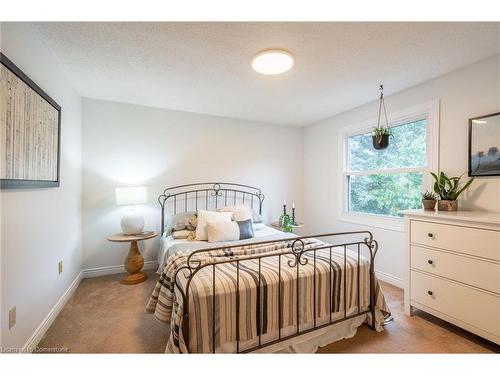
column 283, row 216
column 293, row 216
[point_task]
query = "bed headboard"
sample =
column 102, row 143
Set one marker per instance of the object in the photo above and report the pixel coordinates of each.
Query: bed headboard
column 207, row 195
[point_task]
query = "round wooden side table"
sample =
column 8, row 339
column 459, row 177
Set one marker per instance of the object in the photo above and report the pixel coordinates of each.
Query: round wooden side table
column 134, row 260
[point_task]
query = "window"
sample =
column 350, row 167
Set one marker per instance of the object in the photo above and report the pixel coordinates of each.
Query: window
column 383, row 182
column 378, row 184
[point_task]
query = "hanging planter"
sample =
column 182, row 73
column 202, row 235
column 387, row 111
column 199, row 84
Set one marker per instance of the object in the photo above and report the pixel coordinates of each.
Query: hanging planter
column 380, row 142
column 381, row 134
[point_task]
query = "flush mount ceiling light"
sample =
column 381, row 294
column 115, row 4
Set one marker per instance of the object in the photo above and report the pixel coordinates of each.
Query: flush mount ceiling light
column 272, row 62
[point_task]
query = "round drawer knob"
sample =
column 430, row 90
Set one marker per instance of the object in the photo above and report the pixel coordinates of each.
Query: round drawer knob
column 431, row 235
column 429, row 292
column 430, row 261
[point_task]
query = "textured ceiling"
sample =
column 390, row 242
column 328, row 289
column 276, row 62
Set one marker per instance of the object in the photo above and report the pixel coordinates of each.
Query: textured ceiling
column 205, row 67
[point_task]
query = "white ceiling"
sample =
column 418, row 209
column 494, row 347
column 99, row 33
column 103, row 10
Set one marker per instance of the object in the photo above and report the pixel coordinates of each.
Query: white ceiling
column 205, row 67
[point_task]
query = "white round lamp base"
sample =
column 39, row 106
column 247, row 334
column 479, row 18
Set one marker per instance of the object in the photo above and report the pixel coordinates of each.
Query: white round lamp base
column 132, row 223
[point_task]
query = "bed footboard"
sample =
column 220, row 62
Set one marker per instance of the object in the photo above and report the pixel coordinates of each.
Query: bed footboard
column 297, row 253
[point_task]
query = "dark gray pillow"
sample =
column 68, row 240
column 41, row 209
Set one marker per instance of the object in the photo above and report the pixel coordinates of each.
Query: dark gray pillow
column 246, row 229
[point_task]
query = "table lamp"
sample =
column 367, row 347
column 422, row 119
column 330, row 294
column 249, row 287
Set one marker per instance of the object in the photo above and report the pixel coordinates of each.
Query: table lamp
column 133, row 221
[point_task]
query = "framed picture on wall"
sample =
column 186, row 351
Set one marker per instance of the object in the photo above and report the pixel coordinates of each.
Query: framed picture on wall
column 484, row 145
column 30, row 131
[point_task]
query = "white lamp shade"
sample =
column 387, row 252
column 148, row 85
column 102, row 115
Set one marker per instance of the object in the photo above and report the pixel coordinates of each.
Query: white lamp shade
column 128, row 196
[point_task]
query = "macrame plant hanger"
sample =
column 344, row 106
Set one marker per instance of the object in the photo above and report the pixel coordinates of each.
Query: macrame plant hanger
column 381, row 106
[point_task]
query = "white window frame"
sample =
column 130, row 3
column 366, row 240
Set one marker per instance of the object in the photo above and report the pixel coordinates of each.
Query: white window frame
column 428, row 111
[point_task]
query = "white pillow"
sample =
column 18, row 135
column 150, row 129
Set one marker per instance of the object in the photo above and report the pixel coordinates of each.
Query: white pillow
column 204, row 216
column 240, row 213
column 223, row 231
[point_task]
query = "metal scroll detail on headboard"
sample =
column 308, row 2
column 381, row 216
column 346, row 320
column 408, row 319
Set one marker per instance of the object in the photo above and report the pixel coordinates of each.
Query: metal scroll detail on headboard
column 208, row 195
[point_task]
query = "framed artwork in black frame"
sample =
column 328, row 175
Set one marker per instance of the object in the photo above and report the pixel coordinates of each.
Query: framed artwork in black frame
column 30, row 132
column 484, row 145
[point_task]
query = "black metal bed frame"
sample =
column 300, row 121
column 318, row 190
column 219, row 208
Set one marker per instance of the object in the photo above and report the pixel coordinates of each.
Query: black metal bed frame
column 209, row 192
column 296, row 249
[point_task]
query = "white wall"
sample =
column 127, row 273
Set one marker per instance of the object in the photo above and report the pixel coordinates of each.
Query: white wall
column 129, row 144
column 469, row 92
column 40, row 227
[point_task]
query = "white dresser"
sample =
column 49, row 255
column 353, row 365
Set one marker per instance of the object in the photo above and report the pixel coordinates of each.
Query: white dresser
column 453, row 268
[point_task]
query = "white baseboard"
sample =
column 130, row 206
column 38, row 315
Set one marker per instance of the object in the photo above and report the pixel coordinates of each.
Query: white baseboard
column 51, row 316
column 390, row 279
column 110, row 270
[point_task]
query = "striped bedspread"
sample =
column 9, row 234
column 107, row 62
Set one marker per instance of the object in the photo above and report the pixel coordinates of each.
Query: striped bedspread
column 214, row 324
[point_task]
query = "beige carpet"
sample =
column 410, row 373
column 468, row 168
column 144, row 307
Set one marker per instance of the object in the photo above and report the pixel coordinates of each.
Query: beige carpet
column 104, row 316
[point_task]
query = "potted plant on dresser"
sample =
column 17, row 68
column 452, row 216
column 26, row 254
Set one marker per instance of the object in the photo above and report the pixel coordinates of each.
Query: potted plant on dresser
column 448, row 189
column 429, row 199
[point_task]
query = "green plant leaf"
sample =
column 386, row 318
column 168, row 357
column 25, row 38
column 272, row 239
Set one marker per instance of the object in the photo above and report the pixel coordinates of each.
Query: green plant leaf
column 436, row 188
column 464, row 187
column 448, row 188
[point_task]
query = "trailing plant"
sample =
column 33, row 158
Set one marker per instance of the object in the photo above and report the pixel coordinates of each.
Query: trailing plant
column 429, row 196
column 380, row 131
column 449, row 188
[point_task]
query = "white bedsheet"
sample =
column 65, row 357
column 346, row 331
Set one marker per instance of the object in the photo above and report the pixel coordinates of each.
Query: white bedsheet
column 168, row 242
column 309, row 343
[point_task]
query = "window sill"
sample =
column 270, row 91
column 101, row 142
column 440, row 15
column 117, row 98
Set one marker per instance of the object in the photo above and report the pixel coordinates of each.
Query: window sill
column 377, row 221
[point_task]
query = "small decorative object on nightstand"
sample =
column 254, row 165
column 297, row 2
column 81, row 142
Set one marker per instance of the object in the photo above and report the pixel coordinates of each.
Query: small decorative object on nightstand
column 293, row 214
column 284, row 216
column 287, row 223
column 134, row 260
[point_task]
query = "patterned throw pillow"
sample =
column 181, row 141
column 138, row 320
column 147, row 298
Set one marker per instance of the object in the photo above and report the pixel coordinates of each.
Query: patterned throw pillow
column 180, row 221
column 181, row 234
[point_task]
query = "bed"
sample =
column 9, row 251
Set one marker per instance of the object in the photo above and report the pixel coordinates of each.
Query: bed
column 277, row 292
column 170, row 245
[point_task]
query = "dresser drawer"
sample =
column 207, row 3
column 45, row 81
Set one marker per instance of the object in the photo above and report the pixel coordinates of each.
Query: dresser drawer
column 476, row 308
column 478, row 242
column 476, row 272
